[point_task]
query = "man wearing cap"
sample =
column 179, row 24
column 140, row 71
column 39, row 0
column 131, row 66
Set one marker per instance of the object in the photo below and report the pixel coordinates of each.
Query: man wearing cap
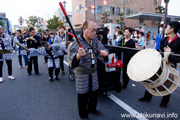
column 158, row 38
column 5, row 44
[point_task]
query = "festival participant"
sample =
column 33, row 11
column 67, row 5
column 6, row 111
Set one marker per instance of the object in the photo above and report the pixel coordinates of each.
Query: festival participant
column 171, row 43
column 20, row 51
column 61, row 38
column 84, row 63
column 33, row 41
column 52, row 52
column 5, row 44
column 46, row 37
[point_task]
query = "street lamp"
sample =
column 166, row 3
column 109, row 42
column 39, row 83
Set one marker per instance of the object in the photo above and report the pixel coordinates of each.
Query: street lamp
column 64, row 3
column 165, row 15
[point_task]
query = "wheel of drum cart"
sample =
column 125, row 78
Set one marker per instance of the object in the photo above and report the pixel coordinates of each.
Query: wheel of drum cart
column 109, row 93
column 71, row 77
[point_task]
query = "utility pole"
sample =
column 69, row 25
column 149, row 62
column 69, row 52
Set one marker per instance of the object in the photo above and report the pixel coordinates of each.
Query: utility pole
column 123, row 39
column 165, row 15
column 124, row 8
column 95, row 11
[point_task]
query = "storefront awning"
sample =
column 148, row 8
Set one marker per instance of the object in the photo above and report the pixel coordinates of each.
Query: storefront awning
column 152, row 17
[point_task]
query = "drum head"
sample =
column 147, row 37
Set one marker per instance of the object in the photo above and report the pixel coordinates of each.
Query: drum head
column 144, row 64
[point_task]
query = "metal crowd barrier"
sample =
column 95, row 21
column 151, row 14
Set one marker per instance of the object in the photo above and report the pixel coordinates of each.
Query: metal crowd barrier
column 118, row 49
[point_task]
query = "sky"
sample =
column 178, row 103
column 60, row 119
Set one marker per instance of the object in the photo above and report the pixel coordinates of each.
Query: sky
column 45, row 8
column 26, row 8
column 173, row 7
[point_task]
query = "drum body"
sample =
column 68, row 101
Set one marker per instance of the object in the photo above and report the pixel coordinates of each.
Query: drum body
column 148, row 68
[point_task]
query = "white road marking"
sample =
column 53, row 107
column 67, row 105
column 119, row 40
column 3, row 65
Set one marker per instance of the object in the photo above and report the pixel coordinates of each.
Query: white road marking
column 133, row 85
column 66, row 63
column 123, row 105
column 127, row 107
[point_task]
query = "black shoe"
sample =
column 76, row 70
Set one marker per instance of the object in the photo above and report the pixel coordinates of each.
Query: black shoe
column 143, row 100
column 163, row 106
column 97, row 113
column 57, row 78
column 123, row 87
column 63, row 73
column 29, row 74
column 51, row 80
column 38, row 74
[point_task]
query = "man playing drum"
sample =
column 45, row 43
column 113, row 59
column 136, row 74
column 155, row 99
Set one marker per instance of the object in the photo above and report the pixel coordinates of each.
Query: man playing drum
column 171, row 43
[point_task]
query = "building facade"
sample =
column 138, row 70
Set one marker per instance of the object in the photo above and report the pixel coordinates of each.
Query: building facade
column 7, row 24
column 115, row 7
column 59, row 13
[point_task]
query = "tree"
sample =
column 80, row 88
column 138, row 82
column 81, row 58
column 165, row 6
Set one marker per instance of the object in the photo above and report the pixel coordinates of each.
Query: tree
column 53, row 23
column 105, row 18
column 32, row 20
column 122, row 4
column 2, row 23
column 41, row 31
column 160, row 10
column 119, row 20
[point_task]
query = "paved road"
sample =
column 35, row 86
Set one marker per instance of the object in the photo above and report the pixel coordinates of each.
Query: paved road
column 35, row 98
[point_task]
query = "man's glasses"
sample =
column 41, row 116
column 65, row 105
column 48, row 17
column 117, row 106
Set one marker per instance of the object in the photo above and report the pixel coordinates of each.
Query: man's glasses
column 92, row 30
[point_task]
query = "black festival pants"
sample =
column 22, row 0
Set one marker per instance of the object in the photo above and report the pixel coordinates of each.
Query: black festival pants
column 9, row 64
column 87, row 102
column 33, row 60
column 164, row 101
column 61, row 62
column 51, row 70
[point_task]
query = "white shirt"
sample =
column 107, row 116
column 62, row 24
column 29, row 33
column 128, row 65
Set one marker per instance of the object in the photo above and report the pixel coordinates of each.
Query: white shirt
column 178, row 34
column 118, row 38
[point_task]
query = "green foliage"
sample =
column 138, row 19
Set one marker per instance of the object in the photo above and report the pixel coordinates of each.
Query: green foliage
column 105, row 18
column 160, row 10
column 41, row 31
column 32, row 20
column 53, row 23
column 2, row 23
column 119, row 19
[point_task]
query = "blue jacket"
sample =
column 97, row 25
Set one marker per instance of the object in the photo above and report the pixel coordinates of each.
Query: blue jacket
column 158, row 41
column 50, row 40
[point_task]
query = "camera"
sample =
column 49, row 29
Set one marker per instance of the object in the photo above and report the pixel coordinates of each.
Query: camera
column 101, row 34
